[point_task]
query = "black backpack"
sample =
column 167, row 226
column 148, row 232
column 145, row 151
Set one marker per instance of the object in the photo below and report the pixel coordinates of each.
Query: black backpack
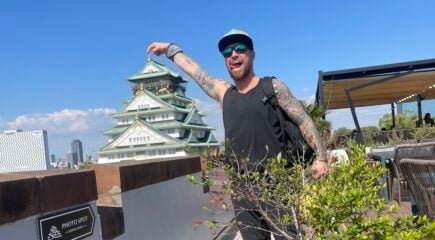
column 294, row 144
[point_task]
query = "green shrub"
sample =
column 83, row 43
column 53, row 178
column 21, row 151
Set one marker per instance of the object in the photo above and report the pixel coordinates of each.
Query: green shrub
column 344, row 204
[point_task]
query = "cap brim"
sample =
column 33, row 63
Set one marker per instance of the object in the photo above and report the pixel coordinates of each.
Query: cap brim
column 235, row 38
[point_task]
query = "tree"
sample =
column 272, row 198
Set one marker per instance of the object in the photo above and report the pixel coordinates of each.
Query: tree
column 342, row 131
column 85, row 164
column 334, row 207
column 405, row 120
column 369, row 129
column 316, row 113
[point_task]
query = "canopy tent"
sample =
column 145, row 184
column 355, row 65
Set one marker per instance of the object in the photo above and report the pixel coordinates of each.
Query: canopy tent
column 376, row 85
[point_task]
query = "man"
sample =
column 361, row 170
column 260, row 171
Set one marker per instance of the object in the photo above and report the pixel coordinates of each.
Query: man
column 428, row 120
column 249, row 123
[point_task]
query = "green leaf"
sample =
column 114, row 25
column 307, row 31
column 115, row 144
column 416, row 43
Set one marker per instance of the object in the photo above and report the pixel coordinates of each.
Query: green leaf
column 210, row 224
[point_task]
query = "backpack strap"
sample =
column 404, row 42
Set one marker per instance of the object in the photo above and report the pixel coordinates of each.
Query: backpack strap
column 268, row 90
column 270, row 97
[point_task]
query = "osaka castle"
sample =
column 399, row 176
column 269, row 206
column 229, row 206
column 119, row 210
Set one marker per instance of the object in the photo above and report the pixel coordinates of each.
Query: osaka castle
column 158, row 121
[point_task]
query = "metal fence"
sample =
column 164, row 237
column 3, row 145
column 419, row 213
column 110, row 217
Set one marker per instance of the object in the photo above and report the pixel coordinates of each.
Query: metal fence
column 391, row 137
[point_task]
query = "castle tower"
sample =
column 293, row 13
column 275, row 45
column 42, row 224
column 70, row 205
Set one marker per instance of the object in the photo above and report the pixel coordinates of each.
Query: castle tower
column 159, row 121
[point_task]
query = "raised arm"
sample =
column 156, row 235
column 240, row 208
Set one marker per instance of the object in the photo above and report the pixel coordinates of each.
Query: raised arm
column 297, row 113
column 215, row 88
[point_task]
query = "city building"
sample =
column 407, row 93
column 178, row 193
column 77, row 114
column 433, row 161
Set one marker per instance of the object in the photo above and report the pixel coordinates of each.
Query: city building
column 24, row 151
column 68, row 161
column 77, row 152
column 65, row 162
column 157, row 121
column 53, row 161
column 52, row 158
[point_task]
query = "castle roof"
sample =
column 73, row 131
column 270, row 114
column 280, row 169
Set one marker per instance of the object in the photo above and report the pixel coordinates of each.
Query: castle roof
column 153, row 69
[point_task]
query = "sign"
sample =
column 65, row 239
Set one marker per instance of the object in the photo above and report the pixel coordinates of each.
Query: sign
column 69, row 225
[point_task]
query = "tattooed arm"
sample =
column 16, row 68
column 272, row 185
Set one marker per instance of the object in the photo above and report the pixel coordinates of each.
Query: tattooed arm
column 215, row 88
column 297, row 113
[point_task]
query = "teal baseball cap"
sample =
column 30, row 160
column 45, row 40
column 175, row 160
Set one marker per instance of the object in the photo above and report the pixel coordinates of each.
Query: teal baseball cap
column 235, row 36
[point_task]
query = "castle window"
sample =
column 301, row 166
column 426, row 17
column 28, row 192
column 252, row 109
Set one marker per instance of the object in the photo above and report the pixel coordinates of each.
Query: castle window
column 143, row 106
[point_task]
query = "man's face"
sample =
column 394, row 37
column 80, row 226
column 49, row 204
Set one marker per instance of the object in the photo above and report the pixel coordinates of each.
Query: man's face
column 239, row 65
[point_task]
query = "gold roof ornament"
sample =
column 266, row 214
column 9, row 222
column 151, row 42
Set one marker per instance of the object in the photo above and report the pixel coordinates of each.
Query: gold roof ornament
column 138, row 88
column 149, row 58
column 193, row 103
column 163, row 90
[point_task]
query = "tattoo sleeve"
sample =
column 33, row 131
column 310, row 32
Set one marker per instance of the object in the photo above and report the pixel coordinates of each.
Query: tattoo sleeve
column 297, row 113
column 210, row 85
column 204, row 80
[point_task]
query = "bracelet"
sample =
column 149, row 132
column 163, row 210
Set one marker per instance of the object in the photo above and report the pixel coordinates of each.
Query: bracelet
column 172, row 51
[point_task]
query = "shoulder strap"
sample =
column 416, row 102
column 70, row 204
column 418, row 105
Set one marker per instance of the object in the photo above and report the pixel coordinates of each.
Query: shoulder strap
column 270, row 97
column 268, row 90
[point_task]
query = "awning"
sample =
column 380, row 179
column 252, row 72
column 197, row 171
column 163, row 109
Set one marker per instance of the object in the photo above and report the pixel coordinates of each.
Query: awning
column 384, row 84
column 377, row 85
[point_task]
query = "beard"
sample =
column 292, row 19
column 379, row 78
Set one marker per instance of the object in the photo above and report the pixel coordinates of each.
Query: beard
column 246, row 69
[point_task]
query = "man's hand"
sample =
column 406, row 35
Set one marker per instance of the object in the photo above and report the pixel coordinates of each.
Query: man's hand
column 158, row 48
column 319, row 168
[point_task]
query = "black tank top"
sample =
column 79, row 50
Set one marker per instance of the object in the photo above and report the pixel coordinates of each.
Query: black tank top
column 251, row 125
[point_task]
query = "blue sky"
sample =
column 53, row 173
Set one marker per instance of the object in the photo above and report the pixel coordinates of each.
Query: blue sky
column 63, row 64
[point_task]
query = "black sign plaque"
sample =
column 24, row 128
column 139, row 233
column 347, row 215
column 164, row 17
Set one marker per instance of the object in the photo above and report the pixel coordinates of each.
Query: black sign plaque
column 72, row 224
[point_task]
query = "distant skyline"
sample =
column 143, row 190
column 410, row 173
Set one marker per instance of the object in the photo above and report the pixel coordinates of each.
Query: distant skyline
column 64, row 64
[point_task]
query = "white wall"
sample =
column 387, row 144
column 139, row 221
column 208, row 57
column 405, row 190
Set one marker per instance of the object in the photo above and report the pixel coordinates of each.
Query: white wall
column 24, row 151
column 140, row 156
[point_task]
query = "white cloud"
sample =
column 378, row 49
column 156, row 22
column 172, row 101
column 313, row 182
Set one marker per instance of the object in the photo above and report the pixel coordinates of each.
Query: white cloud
column 367, row 116
column 68, row 124
column 304, row 89
column 310, row 99
column 65, row 121
column 214, row 117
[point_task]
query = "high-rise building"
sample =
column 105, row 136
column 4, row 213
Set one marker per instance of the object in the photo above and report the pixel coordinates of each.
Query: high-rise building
column 77, row 151
column 53, row 161
column 158, row 121
column 52, row 158
column 24, row 151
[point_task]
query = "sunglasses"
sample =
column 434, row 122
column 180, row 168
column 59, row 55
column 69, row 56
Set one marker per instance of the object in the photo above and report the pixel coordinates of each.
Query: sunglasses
column 239, row 48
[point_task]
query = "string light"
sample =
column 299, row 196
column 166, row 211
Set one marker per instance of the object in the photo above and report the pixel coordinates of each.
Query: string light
column 415, row 94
